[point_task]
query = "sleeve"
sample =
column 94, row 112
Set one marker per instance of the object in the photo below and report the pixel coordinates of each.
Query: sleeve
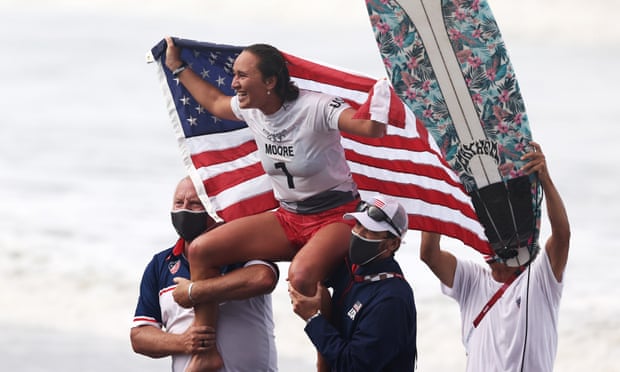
column 332, row 107
column 545, row 278
column 148, row 310
column 236, row 109
column 270, row 264
column 464, row 278
column 381, row 333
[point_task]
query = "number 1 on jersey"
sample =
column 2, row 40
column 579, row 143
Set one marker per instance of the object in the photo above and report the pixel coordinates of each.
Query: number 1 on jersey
column 289, row 177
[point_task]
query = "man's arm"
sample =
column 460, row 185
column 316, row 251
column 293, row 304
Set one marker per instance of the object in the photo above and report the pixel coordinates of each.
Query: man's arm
column 157, row 343
column 558, row 243
column 246, row 282
column 441, row 263
column 384, row 328
column 309, row 308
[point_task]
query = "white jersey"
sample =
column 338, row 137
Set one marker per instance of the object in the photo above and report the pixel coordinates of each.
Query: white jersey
column 240, row 325
column 300, row 146
column 498, row 341
column 245, row 328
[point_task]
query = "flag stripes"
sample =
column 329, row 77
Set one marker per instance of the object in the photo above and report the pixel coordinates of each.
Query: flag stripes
column 222, row 157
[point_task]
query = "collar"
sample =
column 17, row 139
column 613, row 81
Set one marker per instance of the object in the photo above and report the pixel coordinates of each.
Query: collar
column 179, row 247
column 377, row 270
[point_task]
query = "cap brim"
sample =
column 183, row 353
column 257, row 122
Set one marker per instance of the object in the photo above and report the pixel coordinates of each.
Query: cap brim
column 369, row 223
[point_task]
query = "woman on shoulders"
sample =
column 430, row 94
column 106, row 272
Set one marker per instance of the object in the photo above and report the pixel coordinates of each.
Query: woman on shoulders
column 298, row 138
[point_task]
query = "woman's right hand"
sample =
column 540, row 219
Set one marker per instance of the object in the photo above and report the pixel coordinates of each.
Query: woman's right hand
column 173, row 55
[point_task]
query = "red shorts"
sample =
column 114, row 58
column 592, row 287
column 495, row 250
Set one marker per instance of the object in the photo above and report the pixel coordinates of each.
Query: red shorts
column 299, row 228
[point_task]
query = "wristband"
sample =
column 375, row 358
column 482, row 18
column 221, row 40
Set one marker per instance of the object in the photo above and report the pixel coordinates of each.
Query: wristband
column 179, row 69
column 189, row 292
column 318, row 312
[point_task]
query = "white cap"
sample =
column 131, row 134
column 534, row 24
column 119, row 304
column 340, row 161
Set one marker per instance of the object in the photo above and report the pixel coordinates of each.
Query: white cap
column 391, row 208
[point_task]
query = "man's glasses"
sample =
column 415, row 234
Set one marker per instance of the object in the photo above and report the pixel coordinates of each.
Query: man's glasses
column 377, row 214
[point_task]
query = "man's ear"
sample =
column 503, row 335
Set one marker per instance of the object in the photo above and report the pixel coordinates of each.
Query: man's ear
column 393, row 244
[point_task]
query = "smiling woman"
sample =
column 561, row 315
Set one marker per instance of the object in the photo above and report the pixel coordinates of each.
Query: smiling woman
column 295, row 130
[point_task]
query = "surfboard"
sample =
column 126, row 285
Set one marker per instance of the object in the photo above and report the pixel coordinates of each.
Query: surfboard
column 447, row 61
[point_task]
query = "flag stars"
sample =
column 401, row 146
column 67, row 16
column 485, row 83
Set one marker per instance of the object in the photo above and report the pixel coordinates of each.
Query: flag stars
column 220, row 81
column 213, row 58
column 200, row 110
column 205, row 73
column 228, row 66
column 215, row 119
column 185, row 100
column 192, row 121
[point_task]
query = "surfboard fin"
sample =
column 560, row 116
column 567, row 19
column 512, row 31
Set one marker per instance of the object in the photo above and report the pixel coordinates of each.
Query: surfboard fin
column 506, row 212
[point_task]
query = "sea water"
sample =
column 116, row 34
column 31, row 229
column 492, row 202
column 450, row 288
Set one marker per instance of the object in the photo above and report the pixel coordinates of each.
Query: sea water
column 88, row 164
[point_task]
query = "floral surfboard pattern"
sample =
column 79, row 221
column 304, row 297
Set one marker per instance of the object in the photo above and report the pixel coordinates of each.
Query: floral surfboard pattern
column 447, row 61
column 486, row 70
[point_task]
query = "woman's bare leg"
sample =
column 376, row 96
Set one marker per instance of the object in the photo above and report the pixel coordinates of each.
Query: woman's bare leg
column 315, row 261
column 241, row 240
column 319, row 257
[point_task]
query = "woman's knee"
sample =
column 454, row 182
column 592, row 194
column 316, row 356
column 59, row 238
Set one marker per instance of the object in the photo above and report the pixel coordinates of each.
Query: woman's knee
column 303, row 278
column 200, row 250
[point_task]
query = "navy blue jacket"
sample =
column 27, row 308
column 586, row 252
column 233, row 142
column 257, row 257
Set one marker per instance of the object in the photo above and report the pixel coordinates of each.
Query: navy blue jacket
column 374, row 322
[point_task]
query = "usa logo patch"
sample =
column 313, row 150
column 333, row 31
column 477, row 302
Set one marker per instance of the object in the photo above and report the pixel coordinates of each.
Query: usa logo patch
column 354, row 310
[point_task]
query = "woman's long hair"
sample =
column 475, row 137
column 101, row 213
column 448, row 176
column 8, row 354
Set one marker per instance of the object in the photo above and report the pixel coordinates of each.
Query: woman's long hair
column 272, row 63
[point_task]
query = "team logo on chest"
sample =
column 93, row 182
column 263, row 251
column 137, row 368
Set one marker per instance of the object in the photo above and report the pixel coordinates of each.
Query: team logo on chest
column 174, row 266
column 277, row 136
column 354, row 310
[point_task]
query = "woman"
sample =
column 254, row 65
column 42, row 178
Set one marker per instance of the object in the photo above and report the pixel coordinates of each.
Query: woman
column 298, row 138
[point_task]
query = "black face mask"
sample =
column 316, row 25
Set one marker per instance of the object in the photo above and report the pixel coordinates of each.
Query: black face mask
column 362, row 250
column 189, row 224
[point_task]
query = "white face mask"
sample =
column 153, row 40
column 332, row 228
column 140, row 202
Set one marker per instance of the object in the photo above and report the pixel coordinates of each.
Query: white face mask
column 363, row 250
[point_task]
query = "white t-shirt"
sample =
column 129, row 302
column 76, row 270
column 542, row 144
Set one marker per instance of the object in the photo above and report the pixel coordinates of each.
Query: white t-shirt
column 299, row 146
column 498, row 341
column 244, row 332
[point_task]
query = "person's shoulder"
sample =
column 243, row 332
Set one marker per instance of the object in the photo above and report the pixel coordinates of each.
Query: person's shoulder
column 401, row 284
column 542, row 262
column 164, row 255
column 396, row 291
column 469, row 264
column 306, row 95
column 309, row 93
column 160, row 261
column 267, row 264
column 470, row 271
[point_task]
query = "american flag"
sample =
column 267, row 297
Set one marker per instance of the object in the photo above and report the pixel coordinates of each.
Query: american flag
column 221, row 156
